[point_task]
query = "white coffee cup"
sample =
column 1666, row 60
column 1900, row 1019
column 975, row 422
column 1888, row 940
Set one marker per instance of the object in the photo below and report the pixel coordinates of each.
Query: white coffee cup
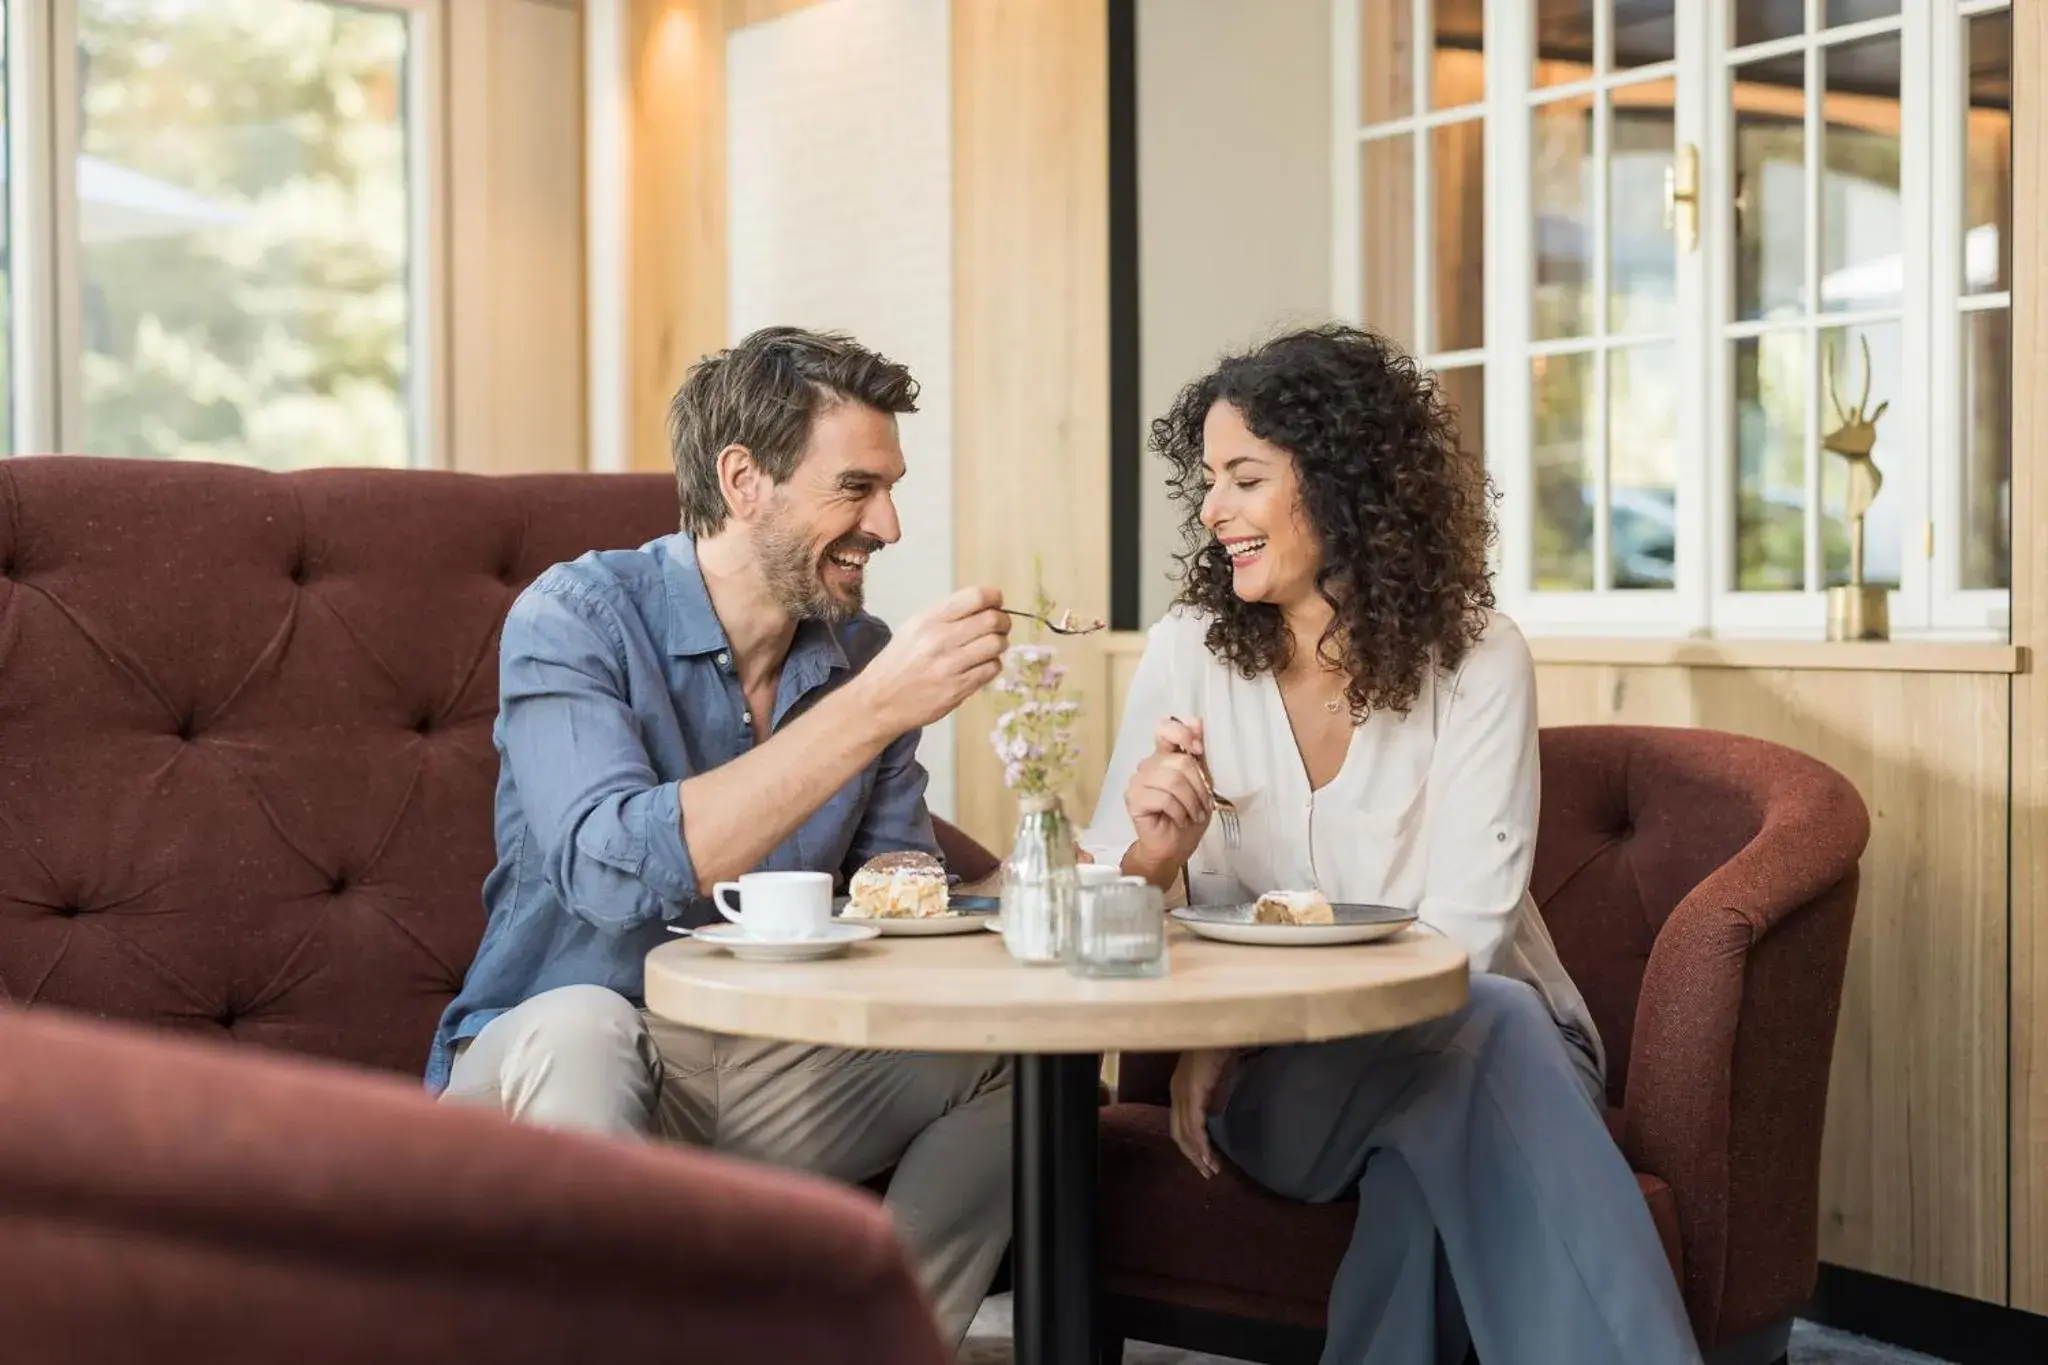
column 1099, row 874
column 779, row 905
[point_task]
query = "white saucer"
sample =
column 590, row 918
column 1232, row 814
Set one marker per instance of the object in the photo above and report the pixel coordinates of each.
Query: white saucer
column 834, row 939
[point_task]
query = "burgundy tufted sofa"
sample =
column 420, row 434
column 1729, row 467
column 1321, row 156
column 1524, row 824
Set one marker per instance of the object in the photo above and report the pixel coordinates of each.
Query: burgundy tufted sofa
column 1700, row 887
column 245, row 796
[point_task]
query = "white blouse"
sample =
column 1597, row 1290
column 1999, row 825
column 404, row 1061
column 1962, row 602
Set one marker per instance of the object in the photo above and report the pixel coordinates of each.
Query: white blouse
column 1434, row 810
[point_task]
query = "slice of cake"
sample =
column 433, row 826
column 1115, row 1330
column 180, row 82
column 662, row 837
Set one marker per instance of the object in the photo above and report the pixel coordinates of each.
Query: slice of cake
column 907, row 885
column 1293, row 907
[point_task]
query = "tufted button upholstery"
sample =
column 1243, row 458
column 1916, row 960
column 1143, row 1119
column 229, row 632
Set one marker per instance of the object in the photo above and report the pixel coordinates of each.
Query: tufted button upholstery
column 157, row 608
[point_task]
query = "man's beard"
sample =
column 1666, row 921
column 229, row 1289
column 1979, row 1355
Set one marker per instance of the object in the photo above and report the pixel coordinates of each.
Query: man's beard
column 795, row 574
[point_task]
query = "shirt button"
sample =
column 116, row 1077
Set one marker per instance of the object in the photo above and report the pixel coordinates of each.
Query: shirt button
column 724, row 660
column 747, row 717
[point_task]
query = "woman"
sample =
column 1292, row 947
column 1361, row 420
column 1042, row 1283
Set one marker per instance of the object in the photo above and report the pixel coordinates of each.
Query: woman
column 1335, row 668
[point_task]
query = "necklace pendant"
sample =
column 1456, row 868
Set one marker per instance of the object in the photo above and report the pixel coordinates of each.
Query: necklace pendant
column 1334, row 705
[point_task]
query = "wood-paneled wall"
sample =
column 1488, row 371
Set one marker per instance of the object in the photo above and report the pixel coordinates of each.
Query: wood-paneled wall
column 513, row 168
column 676, row 248
column 1913, row 1181
column 2030, row 693
column 677, row 261
column 1031, row 329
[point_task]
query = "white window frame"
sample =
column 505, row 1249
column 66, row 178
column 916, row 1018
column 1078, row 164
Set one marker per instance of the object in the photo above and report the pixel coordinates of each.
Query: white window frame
column 1954, row 608
column 44, row 329
column 1926, row 468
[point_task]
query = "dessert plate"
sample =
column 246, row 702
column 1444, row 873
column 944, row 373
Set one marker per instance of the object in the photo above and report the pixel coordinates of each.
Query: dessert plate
column 968, row 913
column 1355, row 924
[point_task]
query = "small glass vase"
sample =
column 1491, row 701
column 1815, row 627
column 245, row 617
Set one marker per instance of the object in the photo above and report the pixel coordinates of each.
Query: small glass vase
column 1040, row 886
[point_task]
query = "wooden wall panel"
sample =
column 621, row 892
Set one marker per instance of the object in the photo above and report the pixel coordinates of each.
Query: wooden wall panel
column 514, row 166
column 677, row 311
column 2030, row 696
column 1031, row 333
column 1914, row 1174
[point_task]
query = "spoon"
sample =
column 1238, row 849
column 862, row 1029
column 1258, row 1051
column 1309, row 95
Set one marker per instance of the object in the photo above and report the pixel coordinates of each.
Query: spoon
column 1066, row 625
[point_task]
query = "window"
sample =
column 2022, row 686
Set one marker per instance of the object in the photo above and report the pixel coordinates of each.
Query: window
column 1728, row 253
column 1974, row 260
column 235, row 206
column 1422, row 166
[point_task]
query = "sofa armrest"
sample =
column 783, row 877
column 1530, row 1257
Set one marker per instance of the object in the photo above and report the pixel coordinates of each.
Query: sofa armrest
column 165, row 1199
column 1734, row 1036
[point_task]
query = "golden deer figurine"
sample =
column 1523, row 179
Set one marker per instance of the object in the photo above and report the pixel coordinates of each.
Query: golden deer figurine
column 1855, row 611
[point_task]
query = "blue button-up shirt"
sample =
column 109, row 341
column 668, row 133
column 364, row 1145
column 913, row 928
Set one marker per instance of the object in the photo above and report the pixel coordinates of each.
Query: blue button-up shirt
column 615, row 683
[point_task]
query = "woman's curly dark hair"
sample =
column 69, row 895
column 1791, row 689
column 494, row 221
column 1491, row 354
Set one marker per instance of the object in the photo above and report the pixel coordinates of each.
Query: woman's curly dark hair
column 1404, row 516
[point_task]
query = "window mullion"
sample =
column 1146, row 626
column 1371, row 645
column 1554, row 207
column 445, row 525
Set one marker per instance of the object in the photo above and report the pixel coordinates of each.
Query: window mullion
column 1700, row 457
column 1814, row 171
column 429, row 409
column 1947, row 175
column 31, row 231
column 1508, row 244
column 1347, row 281
column 66, row 336
column 1603, row 286
column 1920, row 379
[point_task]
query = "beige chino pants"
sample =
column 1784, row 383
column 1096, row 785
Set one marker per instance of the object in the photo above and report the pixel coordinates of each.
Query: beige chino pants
column 582, row 1057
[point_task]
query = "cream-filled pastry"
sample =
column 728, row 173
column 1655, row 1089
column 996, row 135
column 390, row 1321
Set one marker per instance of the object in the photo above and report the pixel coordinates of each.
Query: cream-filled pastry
column 1293, row 907
column 906, row 885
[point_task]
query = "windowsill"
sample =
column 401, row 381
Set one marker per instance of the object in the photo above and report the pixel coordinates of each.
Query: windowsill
column 1860, row 656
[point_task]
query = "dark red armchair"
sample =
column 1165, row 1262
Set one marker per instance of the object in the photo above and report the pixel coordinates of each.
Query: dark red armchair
column 1700, row 887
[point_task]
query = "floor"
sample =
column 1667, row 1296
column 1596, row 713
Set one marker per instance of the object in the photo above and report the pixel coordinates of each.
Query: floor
column 988, row 1343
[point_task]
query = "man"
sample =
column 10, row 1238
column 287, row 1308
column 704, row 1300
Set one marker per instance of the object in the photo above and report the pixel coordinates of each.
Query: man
column 714, row 703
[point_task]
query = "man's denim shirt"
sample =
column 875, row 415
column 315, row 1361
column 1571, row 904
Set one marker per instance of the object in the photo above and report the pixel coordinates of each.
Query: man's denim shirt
column 615, row 683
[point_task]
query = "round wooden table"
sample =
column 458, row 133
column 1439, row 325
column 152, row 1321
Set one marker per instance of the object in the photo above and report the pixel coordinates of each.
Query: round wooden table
column 965, row 994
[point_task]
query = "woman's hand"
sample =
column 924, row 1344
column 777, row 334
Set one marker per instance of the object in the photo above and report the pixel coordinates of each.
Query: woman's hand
column 1169, row 802
column 1197, row 1089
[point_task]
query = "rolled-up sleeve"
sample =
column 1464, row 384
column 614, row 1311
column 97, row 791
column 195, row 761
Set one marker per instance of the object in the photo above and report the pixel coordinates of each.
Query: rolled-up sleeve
column 1482, row 829
column 610, row 832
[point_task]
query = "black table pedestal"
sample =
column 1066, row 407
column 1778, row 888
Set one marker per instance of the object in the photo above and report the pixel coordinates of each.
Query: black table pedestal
column 1052, row 1250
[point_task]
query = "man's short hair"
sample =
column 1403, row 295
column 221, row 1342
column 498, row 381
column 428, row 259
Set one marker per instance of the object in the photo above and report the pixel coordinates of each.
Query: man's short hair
column 764, row 394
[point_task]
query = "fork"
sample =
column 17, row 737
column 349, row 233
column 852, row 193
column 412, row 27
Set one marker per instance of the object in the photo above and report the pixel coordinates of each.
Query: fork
column 1226, row 809
column 1063, row 626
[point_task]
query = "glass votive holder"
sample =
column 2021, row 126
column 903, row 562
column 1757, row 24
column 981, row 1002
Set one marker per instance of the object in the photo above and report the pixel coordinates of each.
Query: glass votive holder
column 1119, row 930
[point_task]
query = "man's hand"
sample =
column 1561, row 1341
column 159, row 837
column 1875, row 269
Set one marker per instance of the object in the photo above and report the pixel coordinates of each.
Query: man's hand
column 1197, row 1090
column 1169, row 802
column 937, row 660
column 736, row 813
